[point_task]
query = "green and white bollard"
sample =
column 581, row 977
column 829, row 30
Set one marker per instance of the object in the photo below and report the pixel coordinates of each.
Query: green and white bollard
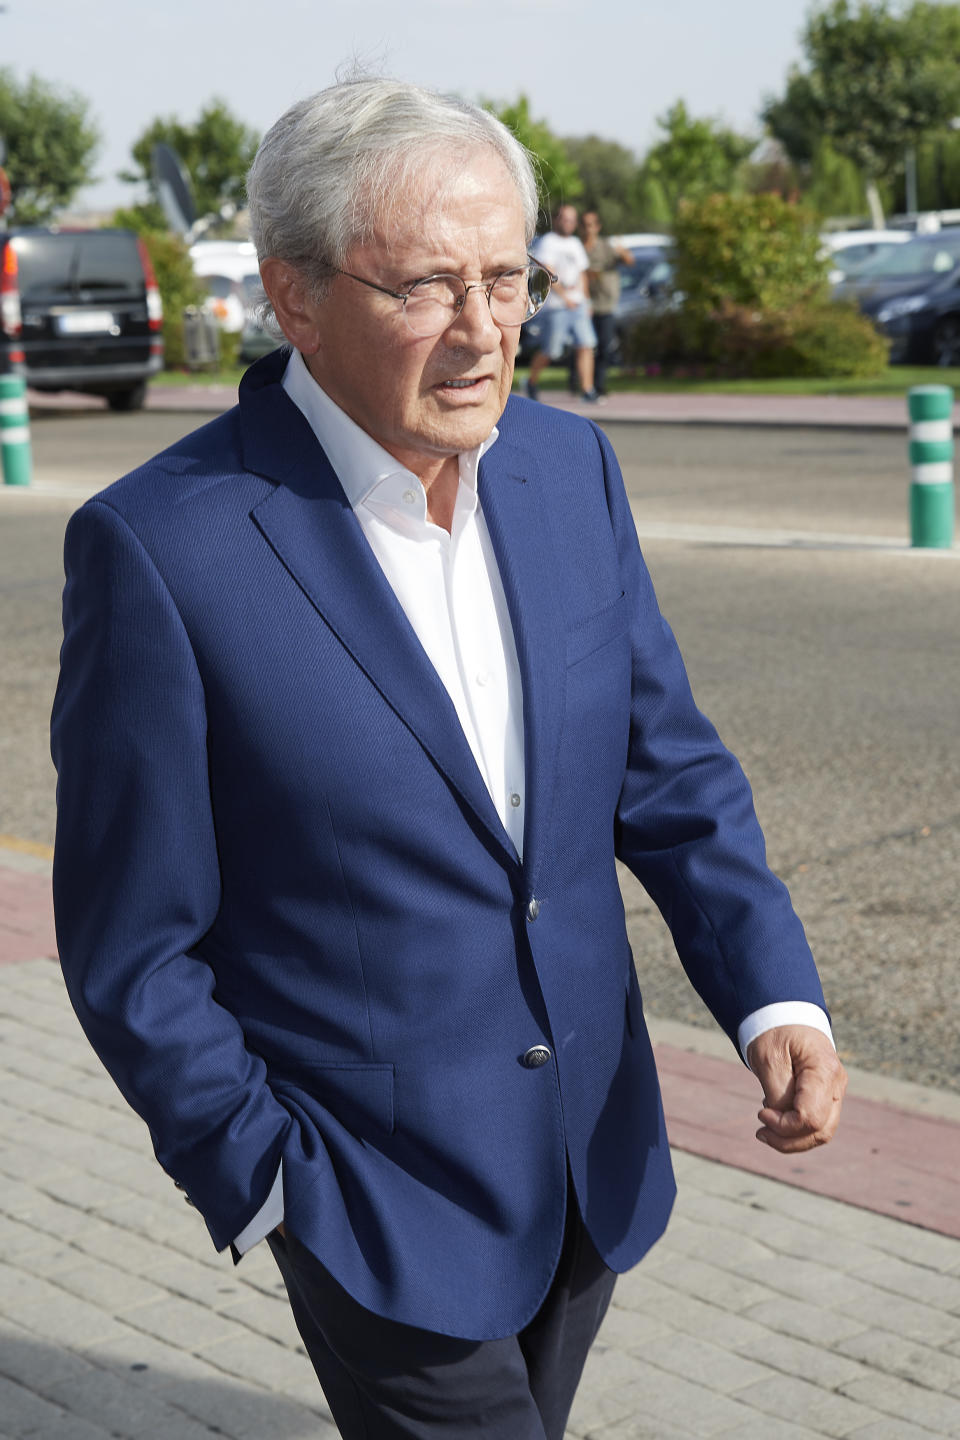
column 14, row 430
column 931, row 463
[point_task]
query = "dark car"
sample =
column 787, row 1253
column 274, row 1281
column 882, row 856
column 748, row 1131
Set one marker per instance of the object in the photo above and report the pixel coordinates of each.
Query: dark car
column 258, row 337
column 80, row 311
column 645, row 285
column 912, row 294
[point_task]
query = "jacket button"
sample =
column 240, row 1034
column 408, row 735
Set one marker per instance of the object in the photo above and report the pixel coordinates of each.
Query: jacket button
column 536, row 1056
column 533, row 909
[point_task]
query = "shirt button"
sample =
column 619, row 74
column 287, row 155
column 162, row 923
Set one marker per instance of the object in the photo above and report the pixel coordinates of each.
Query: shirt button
column 409, row 496
column 533, row 909
column 482, row 677
column 514, row 799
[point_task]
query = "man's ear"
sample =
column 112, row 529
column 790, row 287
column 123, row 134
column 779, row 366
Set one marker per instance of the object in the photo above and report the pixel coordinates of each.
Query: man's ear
column 293, row 306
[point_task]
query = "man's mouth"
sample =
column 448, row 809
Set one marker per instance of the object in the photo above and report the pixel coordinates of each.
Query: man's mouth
column 463, row 384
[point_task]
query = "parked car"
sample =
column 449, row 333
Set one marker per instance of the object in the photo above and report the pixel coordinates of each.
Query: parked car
column 230, row 274
column 257, row 338
column 850, row 250
column 648, row 251
column 80, row 310
column 913, row 296
column 648, row 282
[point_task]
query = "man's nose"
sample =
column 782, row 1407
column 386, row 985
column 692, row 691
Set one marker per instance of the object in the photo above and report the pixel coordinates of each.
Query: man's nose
column 474, row 327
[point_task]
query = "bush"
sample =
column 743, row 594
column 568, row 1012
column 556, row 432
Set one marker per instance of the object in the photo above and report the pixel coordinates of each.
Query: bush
column 819, row 340
column 659, row 339
column 755, row 299
column 832, row 341
column 752, row 250
column 178, row 285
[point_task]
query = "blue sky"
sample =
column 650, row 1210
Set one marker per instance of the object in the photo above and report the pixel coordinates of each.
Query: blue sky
column 607, row 67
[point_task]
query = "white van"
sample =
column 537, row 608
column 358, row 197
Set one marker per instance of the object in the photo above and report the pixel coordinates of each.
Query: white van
column 229, row 270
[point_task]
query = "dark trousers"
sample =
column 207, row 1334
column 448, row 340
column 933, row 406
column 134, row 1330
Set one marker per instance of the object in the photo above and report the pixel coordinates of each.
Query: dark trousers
column 605, row 326
column 384, row 1381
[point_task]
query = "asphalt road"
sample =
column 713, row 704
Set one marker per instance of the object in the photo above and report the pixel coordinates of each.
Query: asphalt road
column 827, row 655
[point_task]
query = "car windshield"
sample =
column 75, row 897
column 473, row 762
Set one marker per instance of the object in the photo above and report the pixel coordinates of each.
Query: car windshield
column 934, row 255
column 645, row 262
column 219, row 286
column 855, row 257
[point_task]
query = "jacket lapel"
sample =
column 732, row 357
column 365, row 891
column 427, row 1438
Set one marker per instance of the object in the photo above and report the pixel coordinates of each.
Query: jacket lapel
column 311, row 526
column 513, row 498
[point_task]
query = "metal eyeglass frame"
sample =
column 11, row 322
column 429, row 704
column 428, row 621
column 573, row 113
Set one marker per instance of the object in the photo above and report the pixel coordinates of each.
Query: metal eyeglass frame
column 404, row 295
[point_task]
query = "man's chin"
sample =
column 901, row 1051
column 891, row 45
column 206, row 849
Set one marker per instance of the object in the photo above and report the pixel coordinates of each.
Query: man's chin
column 464, row 427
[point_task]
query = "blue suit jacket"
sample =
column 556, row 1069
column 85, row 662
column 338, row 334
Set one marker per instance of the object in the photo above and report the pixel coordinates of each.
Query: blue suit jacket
column 289, row 917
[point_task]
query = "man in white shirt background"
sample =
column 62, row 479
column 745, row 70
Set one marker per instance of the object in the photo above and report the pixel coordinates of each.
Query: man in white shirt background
column 364, row 691
column 566, row 314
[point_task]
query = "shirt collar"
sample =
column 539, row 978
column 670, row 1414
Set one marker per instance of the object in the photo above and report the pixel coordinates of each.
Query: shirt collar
column 360, row 463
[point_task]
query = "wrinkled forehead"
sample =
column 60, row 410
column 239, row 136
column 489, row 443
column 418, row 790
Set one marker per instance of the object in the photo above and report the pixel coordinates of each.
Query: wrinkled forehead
column 444, row 188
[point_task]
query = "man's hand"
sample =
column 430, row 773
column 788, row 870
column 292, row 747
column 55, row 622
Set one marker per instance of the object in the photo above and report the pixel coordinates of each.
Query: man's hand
column 803, row 1085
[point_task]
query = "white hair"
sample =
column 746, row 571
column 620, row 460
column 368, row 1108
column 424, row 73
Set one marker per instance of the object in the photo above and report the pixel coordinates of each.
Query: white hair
column 332, row 164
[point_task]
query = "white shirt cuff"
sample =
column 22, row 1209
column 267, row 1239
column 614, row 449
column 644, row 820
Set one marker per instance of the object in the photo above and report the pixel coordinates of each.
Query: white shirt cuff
column 267, row 1218
column 784, row 1012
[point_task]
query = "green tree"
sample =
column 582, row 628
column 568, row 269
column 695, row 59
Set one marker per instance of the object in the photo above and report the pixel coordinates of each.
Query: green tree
column 652, row 204
column 609, row 175
column 938, row 175
column 51, row 143
column 694, row 159
column 878, row 80
column 833, row 185
column 216, row 151
column 558, row 179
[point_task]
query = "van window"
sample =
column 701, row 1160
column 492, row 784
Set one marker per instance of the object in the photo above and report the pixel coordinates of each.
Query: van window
column 52, row 265
column 109, row 262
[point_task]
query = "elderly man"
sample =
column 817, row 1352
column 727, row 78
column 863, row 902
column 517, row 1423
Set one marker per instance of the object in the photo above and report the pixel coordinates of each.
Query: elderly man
column 364, row 691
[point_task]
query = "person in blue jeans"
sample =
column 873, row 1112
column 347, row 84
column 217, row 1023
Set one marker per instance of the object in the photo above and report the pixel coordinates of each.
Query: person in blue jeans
column 566, row 314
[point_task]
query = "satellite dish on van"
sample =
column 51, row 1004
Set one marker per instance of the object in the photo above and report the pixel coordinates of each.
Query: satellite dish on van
column 173, row 188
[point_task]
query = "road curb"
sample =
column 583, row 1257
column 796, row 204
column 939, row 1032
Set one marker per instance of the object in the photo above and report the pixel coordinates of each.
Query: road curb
column 877, row 414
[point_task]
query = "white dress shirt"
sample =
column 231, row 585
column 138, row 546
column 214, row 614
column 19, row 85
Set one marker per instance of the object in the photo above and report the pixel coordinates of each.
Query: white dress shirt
column 450, row 589
column 448, row 585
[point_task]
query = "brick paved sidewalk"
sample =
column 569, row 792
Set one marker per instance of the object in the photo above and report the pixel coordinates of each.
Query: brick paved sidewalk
column 875, row 412
column 768, row 1310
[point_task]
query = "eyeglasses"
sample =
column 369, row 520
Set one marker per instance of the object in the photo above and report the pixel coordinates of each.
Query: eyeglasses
column 432, row 304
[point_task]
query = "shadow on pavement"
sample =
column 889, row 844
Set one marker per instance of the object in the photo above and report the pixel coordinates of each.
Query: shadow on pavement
column 49, row 1393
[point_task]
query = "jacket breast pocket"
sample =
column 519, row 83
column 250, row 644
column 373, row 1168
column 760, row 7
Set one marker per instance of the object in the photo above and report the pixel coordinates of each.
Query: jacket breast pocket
column 358, row 1094
column 597, row 630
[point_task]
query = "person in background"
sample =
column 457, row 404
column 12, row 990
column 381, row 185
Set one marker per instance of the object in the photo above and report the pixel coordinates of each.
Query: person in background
column 603, row 283
column 566, row 314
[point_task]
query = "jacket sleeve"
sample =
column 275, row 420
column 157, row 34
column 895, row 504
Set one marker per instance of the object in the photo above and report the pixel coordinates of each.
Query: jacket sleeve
column 136, row 878
column 685, row 821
